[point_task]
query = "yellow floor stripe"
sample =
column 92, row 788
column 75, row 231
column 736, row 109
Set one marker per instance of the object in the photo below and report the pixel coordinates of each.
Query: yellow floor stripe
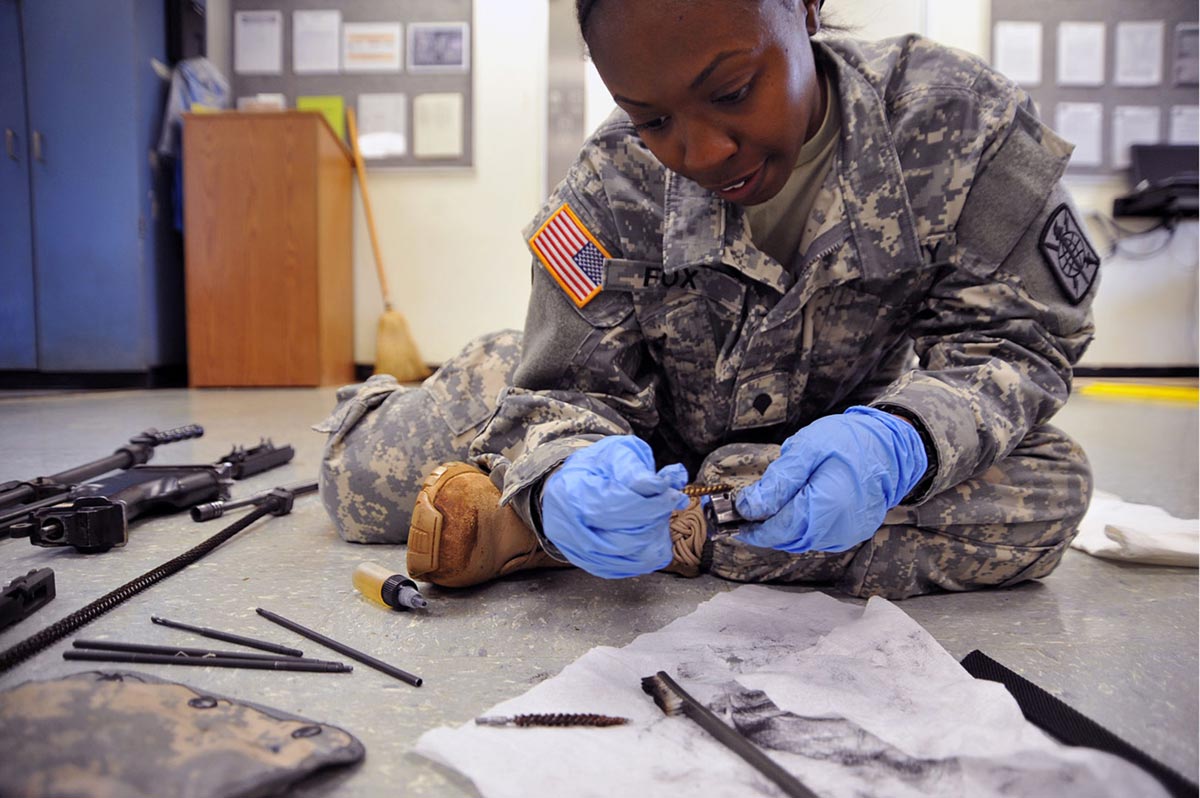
column 1142, row 392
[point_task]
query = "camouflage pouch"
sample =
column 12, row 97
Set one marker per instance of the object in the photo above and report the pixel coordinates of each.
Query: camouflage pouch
column 129, row 735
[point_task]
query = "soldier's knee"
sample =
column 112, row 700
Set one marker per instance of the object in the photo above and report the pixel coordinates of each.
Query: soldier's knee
column 1051, row 480
column 384, row 438
column 1055, row 534
column 904, row 561
column 365, row 504
column 736, row 464
column 371, row 470
column 1011, row 524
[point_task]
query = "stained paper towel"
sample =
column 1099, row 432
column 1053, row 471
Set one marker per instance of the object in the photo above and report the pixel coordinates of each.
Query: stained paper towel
column 852, row 700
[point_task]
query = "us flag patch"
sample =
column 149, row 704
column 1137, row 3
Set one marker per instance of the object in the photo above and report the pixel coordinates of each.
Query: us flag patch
column 571, row 254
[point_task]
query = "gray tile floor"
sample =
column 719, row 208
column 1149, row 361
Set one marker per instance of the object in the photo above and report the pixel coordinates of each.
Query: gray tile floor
column 1117, row 642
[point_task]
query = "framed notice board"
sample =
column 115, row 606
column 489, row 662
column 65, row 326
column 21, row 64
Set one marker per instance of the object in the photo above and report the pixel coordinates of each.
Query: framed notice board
column 1105, row 74
column 404, row 67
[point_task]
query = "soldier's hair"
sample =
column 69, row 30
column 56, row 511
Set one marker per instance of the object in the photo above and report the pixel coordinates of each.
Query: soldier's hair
column 583, row 10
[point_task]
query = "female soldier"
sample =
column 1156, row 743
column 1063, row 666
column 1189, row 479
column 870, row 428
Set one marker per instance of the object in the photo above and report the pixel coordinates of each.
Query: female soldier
column 842, row 277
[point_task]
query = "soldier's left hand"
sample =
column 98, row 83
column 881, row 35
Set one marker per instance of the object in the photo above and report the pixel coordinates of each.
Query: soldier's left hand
column 833, row 483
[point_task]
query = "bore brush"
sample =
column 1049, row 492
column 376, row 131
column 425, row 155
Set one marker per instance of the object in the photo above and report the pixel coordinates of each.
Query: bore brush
column 674, row 700
column 721, row 496
column 706, row 490
column 553, row 719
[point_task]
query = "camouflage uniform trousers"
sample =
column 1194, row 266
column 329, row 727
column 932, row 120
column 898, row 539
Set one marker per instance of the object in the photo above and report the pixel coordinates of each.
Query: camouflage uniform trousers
column 1011, row 523
column 384, row 438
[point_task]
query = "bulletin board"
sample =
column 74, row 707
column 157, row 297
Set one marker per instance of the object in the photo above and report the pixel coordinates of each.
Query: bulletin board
column 404, row 67
column 1103, row 73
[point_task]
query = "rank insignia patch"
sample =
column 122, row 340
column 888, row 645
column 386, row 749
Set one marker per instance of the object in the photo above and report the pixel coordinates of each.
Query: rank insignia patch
column 571, row 254
column 1071, row 257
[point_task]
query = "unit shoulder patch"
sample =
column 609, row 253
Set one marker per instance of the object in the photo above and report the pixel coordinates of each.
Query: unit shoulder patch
column 1071, row 256
column 572, row 255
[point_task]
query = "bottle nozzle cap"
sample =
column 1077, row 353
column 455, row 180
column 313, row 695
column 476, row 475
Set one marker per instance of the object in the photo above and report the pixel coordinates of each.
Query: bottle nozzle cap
column 409, row 597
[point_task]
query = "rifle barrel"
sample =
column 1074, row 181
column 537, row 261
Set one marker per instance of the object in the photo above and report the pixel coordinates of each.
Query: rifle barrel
column 139, row 450
column 120, row 459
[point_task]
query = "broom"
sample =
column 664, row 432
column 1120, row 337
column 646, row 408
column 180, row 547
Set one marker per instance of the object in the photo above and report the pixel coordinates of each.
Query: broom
column 395, row 351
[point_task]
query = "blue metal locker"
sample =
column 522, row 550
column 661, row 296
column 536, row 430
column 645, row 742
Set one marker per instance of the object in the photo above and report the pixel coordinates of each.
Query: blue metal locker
column 94, row 107
column 18, row 341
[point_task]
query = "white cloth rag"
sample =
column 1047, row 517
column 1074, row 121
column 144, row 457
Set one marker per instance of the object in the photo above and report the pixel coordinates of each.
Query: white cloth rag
column 1119, row 530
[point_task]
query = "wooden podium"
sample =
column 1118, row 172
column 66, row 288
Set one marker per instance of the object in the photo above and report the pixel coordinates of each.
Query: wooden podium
column 267, row 250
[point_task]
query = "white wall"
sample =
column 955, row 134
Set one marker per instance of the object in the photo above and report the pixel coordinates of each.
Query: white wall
column 1146, row 308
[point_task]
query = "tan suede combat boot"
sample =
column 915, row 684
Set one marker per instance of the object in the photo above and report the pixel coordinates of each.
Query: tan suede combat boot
column 460, row 536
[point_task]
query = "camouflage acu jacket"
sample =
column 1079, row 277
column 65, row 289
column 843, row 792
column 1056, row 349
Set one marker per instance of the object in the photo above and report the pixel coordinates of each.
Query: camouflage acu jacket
column 941, row 232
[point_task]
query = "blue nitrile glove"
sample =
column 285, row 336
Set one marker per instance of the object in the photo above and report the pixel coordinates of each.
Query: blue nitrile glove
column 607, row 510
column 833, row 483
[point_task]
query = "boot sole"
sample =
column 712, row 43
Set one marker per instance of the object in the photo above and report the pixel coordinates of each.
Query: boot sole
column 425, row 531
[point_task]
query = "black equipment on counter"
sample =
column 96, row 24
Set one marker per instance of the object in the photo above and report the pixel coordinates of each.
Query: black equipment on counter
column 1166, row 183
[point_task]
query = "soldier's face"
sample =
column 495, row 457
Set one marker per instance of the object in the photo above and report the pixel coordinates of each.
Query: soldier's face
column 724, row 92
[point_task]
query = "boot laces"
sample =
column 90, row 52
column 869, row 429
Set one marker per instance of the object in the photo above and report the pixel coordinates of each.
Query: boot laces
column 688, row 533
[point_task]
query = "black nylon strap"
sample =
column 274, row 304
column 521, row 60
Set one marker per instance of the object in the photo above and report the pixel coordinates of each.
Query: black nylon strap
column 1068, row 726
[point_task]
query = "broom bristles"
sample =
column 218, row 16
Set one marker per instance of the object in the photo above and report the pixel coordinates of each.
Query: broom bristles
column 395, row 351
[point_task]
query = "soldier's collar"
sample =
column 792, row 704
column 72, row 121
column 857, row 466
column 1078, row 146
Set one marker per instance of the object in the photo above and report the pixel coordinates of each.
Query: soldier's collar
column 702, row 229
column 693, row 224
column 876, row 200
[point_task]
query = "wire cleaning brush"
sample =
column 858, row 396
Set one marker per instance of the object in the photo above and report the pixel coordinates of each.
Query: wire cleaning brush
column 674, row 700
column 553, row 719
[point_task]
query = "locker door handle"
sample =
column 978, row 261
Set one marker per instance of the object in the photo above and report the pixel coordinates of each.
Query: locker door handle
column 10, row 143
column 37, row 146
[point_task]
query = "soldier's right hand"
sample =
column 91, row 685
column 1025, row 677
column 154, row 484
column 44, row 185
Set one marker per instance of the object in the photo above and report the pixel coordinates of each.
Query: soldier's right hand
column 608, row 511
